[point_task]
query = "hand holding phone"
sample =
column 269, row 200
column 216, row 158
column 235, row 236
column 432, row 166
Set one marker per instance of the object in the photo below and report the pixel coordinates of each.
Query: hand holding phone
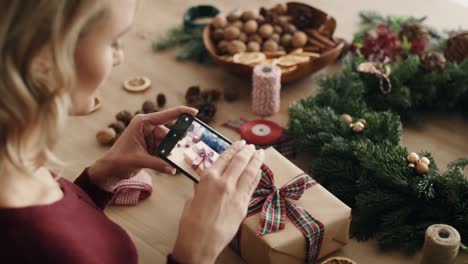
column 192, row 146
column 212, row 217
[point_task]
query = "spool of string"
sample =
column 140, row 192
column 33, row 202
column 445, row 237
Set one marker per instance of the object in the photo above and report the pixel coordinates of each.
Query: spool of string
column 266, row 88
column 440, row 245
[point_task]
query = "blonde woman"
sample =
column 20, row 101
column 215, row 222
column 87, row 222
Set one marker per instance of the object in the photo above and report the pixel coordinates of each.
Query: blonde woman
column 54, row 55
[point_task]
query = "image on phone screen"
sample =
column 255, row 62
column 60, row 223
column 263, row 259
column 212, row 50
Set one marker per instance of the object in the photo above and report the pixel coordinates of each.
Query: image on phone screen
column 197, row 148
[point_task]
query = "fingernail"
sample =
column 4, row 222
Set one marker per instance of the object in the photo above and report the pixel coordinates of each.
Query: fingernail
column 169, row 170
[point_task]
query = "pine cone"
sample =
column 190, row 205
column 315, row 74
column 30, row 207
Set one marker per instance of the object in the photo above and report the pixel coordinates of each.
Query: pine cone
column 432, row 61
column 456, row 50
column 414, row 32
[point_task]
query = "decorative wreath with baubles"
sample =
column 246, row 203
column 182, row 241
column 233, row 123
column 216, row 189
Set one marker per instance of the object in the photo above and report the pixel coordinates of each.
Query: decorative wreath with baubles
column 396, row 68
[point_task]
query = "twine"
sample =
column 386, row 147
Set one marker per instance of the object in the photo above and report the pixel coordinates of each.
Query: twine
column 441, row 245
column 266, row 88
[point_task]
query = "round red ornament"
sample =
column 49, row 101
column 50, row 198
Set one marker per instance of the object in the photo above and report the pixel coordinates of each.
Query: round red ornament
column 261, row 132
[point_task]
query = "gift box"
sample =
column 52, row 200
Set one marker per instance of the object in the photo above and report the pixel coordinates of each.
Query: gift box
column 200, row 156
column 291, row 218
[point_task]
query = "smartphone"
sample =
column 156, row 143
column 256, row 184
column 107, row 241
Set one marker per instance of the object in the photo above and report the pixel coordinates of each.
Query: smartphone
column 191, row 146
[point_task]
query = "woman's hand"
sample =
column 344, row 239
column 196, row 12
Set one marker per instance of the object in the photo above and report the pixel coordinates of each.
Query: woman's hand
column 135, row 149
column 212, row 217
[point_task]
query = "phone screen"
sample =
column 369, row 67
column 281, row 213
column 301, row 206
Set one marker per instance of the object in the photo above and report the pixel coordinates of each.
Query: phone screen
column 192, row 146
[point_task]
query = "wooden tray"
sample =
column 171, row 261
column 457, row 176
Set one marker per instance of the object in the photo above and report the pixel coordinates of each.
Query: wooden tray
column 322, row 22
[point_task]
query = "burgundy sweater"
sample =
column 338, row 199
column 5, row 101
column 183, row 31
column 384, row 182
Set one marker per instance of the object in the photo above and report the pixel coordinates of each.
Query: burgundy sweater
column 73, row 230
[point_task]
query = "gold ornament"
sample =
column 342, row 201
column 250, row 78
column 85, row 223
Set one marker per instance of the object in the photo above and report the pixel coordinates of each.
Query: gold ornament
column 362, row 120
column 346, row 118
column 358, row 127
column 425, row 161
column 422, row 168
column 413, row 158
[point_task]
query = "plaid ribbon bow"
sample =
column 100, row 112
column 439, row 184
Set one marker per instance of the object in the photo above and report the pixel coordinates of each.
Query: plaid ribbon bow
column 204, row 156
column 274, row 207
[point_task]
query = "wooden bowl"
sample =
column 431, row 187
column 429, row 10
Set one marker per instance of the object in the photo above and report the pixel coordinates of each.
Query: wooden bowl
column 322, row 22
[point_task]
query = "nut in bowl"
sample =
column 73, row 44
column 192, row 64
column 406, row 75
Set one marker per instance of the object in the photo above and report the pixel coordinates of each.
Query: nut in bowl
column 295, row 36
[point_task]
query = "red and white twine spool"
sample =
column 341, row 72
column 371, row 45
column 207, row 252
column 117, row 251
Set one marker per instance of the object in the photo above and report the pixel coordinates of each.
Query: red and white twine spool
column 266, row 88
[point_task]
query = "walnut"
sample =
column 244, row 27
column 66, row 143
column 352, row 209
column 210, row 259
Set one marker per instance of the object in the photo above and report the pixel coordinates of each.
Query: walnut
column 253, row 46
column 286, row 40
column 299, row 39
column 270, row 45
column 236, row 46
column 265, row 30
column 219, row 21
column 231, row 32
column 250, row 26
column 248, row 15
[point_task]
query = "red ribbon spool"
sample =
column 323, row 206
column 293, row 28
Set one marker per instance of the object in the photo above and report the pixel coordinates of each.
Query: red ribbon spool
column 261, row 132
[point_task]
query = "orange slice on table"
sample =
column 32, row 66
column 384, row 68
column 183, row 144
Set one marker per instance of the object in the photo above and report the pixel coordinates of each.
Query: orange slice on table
column 137, row 84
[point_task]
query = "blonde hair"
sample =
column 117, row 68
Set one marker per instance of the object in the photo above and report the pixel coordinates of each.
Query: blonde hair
column 35, row 104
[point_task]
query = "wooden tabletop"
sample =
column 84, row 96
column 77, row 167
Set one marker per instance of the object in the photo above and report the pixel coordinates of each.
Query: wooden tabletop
column 153, row 223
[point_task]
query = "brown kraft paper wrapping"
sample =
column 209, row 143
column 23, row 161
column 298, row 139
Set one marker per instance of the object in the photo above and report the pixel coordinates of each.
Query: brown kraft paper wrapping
column 289, row 245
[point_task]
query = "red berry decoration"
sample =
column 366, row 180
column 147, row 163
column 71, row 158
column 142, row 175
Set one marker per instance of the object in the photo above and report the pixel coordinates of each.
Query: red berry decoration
column 381, row 44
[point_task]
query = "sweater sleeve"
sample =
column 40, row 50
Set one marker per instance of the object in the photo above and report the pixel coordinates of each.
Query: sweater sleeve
column 98, row 195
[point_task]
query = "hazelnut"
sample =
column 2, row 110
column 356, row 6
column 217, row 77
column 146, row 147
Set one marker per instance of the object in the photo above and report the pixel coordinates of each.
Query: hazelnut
column 236, row 46
column 250, row 26
column 231, row 32
column 281, row 8
column 299, row 39
column 222, row 46
column 161, row 100
column 106, row 136
column 118, row 127
column 253, row 46
column 124, row 116
column 243, row 37
column 218, row 34
column 290, row 28
column 149, row 107
column 256, row 38
column 346, row 118
column 248, row 15
column 238, row 24
column 233, row 16
column 283, row 21
column 286, row 40
column 265, row 30
column 260, row 19
column 278, row 29
column 219, row 21
column 270, row 45
column 275, row 37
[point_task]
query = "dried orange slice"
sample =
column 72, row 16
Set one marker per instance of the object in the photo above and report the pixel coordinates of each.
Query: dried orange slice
column 137, row 84
column 249, row 58
column 291, row 60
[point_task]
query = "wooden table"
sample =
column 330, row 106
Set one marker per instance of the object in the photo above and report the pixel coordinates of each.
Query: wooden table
column 153, row 223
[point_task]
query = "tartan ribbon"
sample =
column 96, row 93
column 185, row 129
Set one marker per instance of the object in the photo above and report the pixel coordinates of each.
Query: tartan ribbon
column 204, row 156
column 275, row 206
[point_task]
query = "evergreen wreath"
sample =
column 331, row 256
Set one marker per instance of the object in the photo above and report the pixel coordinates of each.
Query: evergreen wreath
column 362, row 161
